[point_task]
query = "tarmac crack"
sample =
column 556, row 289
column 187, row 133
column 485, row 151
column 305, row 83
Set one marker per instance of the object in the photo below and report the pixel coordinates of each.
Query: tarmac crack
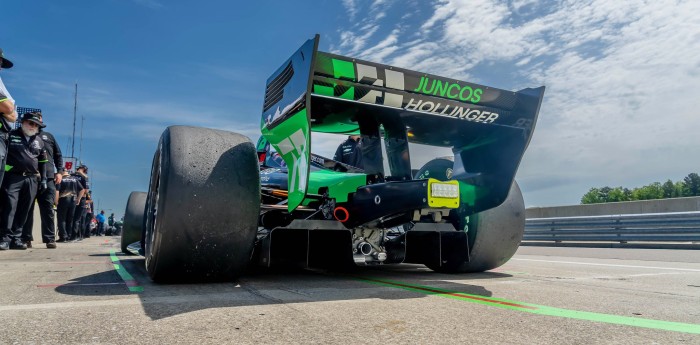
column 247, row 286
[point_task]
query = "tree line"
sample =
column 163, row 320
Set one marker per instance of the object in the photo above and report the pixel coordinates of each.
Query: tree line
column 689, row 186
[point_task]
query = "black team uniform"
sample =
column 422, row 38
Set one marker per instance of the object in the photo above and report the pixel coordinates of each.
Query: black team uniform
column 46, row 198
column 80, row 211
column 25, row 173
column 69, row 190
column 5, row 127
column 87, row 221
column 349, row 152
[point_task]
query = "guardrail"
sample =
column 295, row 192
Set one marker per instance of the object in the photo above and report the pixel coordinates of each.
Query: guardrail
column 656, row 227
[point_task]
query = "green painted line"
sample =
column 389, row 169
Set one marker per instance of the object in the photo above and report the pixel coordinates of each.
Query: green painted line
column 543, row 310
column 129, row 280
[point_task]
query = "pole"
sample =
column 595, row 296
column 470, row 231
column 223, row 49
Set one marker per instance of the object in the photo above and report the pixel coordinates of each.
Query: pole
column 75, row 112
column 65, row 158
column 80, row 155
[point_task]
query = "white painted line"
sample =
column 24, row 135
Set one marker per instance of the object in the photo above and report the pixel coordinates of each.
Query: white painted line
column 610, row 265
column 652, row 274
column 624, row 276
column 233, row 297
column 64, row 305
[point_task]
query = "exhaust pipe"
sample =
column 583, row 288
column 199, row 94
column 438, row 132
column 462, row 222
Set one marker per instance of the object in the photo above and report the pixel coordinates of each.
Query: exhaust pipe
column 362, row 253
column 364, row 248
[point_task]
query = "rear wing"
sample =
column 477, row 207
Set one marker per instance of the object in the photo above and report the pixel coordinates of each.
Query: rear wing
column 487, row 128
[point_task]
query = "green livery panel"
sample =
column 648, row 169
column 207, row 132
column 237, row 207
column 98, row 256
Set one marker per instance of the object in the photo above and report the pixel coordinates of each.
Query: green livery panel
column 339, row 185
column 292, row 140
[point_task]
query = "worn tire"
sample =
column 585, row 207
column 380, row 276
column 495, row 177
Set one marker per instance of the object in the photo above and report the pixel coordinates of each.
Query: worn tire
column 203, row 206
column 438, row 168
column 133, row 220
column 497, row 231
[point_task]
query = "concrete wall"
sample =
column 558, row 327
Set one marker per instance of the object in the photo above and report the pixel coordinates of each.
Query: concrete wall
column 628, row 207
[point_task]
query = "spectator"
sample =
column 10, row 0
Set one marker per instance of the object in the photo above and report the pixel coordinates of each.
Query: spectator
column 7, row 115
column 89, row 217
column 26, row 158
column 110, row 223
column 101, row 219
column 93, row 225
column 46, row 198
column 350, row 152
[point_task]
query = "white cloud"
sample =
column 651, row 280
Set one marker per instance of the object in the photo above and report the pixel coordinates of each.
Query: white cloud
column 621, row 106
column 384, row 48
column 356, row 43
column 351, row 7
column 367, row 21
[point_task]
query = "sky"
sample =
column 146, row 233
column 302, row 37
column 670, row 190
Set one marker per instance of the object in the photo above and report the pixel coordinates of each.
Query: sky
column 621, row 106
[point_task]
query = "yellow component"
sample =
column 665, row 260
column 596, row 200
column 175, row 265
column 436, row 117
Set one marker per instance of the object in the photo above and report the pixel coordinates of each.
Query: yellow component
column 443, row 193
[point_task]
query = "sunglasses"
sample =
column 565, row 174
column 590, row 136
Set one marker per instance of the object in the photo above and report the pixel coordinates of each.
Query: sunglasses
column 32, row 124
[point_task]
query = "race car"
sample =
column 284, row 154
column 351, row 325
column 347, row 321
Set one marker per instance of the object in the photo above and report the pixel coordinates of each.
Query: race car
column 217, row 204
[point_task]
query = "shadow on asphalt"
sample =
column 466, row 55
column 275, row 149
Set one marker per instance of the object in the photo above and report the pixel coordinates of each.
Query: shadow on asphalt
column 99, row 284
column 270, row 287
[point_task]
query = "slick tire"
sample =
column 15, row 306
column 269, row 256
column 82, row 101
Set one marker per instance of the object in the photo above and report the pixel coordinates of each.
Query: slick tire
column 203, row 206
column 133, row 220
column 438, row 168
column 497, row 232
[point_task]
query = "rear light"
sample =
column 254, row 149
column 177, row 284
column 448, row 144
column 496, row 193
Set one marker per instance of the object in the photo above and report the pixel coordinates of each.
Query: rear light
column 443, row 193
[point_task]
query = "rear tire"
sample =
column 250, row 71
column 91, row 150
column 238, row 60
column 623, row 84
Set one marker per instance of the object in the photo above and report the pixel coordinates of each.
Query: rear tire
column 438, row 168
column 203, row 206
column 499, row 232
column 133, row 220
column 495, row 233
